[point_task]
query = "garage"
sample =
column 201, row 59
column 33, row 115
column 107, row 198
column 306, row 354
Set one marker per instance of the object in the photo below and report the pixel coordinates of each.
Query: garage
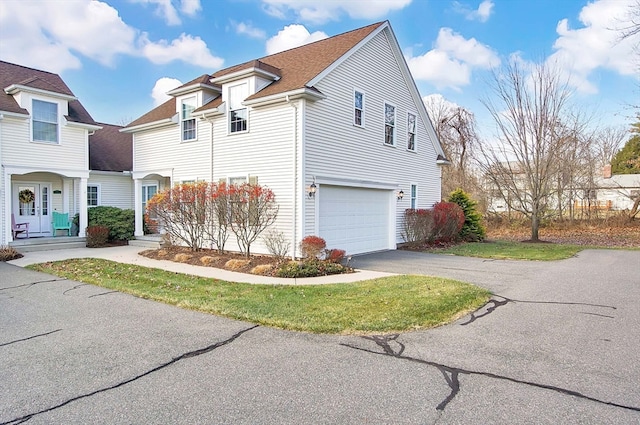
column 355, row 219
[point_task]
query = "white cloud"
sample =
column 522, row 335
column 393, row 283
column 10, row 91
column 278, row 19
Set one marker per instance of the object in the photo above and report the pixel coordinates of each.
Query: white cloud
column 187, row 48
column 452, row 60
column 55, row 36
column 50, row 35
column 248, row 29
column 482, row 13
column 292, row 36
column 596, row 44
column 160, row 89
column 320, row 11
column 164, row 9
column 190, row 7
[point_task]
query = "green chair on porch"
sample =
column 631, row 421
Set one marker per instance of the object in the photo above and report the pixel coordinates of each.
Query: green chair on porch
column 61, row 222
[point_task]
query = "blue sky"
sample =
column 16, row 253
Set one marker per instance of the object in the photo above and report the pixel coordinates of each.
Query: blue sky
column 120, row 57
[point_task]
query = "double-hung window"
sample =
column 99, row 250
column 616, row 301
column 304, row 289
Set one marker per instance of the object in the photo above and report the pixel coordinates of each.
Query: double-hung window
column 411, row 131
column 389, row 124
column 187, row 120
column 93, row 195
column 358, row 108
column 237, row 111
column 414, row 196
column 45, row 121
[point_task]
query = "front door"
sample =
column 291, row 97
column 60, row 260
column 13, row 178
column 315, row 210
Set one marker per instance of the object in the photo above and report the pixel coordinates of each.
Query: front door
column 32, row 204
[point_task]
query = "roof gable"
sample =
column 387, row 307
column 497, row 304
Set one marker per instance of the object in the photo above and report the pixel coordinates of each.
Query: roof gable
column 12, row 74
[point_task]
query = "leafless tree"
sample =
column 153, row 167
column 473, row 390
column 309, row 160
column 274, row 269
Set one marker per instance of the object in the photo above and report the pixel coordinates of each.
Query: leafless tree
column 534, row 120
column 455, row 127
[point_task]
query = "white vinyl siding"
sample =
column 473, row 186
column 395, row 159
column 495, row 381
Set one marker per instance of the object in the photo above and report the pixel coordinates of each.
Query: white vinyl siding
column 71, row 153
column 116, row 189
column 341, row 150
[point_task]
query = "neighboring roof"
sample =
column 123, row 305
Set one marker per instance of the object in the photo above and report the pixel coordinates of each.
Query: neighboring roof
column 619, row 181
column 12, row 74
column 164, row 111
column 110, row 150
column 295, row 67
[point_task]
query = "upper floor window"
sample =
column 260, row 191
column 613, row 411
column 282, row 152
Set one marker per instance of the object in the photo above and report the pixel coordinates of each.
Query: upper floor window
column 237, row 111
column 411, row 131
column 45, row 121
column 93, row 195
column 358, row 108
column 188, row 121
column 389, row 124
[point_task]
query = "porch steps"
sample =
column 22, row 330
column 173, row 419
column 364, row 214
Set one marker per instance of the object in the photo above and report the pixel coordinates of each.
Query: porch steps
column 147, row 241
column 48, row 243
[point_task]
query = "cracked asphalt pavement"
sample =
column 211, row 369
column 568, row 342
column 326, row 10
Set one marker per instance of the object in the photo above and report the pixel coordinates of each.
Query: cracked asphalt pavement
column 558, row 343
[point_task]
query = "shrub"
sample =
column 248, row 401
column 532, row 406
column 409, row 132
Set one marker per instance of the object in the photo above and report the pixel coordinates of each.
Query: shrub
column 235, row 264
column 335, row 255
column 472, row 229
column 417, row 226
column 311, row 268
column 262, row 269
column 277, row 244
column 311, row 246
column 97, row 236
column 208, row 260
column 182, row 257
column 121, row 223
column 448, row 220
column 8, row 253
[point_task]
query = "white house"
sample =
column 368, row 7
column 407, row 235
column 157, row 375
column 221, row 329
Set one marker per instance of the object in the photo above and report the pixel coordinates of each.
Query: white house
column 342, row 114
column 45, row 136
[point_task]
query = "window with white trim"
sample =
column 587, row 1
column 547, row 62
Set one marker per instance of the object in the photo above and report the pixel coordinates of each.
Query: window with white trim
column 45, row 121
column 411, row 131
column 414, row 196
column 358, row 108
column 389, row 124
column 93, row 195
column 188, row 121
column 237, row 111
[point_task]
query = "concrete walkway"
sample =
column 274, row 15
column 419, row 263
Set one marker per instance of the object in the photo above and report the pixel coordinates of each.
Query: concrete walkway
column 130, row 255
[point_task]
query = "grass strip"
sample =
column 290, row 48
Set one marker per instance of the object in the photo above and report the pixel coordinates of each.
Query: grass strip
column 384, row 305
column 510, row 250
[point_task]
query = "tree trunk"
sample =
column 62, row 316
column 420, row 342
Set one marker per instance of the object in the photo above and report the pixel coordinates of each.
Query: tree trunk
column 535, row 225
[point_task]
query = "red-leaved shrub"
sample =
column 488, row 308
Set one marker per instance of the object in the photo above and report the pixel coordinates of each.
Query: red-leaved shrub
column 311, row 246
column 335, row 255
column 448, row 220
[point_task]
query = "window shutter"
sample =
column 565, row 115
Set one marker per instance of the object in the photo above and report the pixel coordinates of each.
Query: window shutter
column 253, row 180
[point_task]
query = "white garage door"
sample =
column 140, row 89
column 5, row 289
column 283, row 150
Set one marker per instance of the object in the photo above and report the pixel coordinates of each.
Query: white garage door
column 354, row 219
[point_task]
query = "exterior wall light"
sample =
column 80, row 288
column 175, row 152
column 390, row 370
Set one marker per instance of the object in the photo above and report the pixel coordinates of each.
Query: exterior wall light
column 312, row 190
column 400, row 195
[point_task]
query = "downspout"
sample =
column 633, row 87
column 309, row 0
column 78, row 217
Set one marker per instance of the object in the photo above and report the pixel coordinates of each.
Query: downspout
column 295, row 175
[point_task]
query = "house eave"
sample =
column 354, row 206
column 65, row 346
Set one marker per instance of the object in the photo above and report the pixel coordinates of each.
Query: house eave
column 148, row 126
column 213, row 112
column 245, row 73
column 8, row 114
column 82, row 125
column 16, row 88
column 304, row 93
column 193, row 88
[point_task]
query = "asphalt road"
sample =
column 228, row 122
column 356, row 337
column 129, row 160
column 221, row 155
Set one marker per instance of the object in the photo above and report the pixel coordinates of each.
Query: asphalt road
column 559, row 344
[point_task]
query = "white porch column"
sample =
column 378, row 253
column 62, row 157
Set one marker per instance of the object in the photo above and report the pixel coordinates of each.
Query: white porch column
column 6, row 232
column 137, row 200
column 84, row 217
column 66, row 191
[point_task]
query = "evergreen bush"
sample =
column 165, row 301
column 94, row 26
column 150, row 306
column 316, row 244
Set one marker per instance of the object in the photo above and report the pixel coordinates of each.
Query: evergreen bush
column 472, row 229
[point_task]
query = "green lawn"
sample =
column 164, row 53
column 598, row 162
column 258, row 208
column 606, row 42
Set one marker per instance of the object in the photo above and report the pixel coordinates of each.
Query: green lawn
column 514, row 250
column 391, row 304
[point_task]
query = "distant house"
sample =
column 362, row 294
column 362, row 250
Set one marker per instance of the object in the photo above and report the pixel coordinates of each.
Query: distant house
column 342, row 116
column 45, row 137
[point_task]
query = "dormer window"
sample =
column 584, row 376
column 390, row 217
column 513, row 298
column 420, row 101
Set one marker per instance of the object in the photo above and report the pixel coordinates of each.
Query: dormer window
column 45, row 121
column 187, row 121
column 237, row 111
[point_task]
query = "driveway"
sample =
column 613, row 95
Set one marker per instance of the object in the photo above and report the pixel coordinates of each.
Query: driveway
column 559, row 343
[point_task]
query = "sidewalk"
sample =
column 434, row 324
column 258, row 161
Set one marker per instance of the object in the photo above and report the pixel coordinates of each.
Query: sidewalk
column 129, row 255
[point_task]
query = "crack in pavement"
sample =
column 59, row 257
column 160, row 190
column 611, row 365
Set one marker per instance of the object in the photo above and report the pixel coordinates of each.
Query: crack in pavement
column 495, row 304
column 75, row 287
column 103, row 293
column 596, row 314
column 31, row 337
column 451, row 374
column 183, row 356
column 32, row 284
